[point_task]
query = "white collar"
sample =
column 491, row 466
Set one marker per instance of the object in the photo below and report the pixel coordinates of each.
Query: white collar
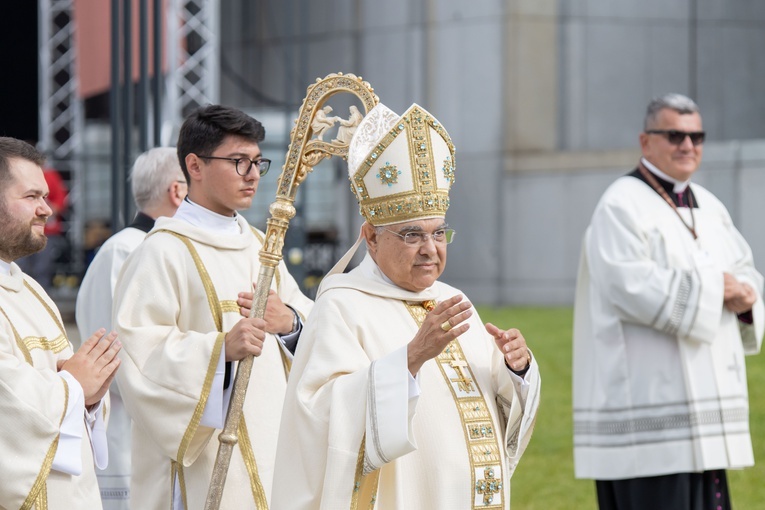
column 679, row 186
column 202, row 217
column 5, row 267
column 371, row 270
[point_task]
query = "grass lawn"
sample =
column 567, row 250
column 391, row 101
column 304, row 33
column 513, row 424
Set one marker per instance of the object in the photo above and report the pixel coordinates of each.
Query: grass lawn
column 544, row 479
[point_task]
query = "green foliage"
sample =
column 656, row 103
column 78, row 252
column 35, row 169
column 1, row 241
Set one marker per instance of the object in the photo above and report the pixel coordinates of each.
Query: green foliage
column 544, row 479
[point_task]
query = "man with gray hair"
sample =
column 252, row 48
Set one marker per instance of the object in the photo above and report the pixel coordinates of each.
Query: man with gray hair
column 158, row 187
column 668, row 303
column 400, row 396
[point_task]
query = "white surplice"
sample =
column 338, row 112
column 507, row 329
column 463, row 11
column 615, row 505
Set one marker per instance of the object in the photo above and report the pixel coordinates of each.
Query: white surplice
column 173, row 303
column 47, row 446
column 352, row 429
column 94, row 311
column 659, row 372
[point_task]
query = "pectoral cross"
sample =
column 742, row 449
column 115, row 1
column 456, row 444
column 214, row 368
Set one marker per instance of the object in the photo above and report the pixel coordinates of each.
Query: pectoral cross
column 736, row 367
column 464, row 381
column 489, row 486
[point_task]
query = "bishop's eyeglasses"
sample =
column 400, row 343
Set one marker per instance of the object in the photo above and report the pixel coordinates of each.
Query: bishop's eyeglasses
column 244, row 165
column 441, row 236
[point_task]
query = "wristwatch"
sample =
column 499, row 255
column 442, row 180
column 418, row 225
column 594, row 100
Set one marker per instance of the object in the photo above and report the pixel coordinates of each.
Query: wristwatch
column 295, row 320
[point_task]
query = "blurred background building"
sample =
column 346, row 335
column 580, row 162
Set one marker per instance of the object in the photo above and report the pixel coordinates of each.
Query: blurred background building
column 544, row 100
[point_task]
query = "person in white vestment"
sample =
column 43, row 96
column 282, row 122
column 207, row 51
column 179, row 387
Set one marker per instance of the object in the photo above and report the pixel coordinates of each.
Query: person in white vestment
column 53, row 403
column 668, row 303
column 158, row 187
column 176, row 308
column 399, row 396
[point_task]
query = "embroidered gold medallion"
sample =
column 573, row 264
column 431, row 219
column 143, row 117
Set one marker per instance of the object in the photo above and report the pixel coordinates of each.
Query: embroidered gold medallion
column 388, row 174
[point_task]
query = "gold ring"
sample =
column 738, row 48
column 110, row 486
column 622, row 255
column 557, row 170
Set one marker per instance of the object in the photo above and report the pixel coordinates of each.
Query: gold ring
column 446, row 326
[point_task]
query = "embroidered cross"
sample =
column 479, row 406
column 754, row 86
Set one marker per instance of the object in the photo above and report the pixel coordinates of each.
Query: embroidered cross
column 735, row 367
column 464, row 381
column 489, row 486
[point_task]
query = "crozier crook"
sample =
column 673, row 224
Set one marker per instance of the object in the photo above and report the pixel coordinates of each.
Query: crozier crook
column 305, row 151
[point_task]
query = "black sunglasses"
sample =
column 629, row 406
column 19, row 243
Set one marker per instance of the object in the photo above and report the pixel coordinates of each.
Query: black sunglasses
column 676, row 137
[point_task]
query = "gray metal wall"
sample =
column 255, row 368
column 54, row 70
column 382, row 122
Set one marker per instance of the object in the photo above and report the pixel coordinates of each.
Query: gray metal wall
column 549, row 201
column 543, row 99
column 617, row 54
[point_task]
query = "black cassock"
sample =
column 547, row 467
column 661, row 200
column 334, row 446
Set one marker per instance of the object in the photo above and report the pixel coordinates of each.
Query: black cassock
column 683, row 491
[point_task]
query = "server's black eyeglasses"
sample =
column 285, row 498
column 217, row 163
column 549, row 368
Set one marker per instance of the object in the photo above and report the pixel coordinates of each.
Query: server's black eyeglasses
column 244, row 165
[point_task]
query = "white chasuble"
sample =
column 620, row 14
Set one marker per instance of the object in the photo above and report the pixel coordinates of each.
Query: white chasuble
column 175, row 299
column 33, row 401
column 354, row 436
column 659, row 372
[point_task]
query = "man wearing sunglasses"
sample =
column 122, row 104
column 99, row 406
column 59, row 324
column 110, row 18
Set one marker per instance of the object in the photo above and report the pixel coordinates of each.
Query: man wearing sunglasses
column 668, row 304
column 178, row 304
column 400, row 397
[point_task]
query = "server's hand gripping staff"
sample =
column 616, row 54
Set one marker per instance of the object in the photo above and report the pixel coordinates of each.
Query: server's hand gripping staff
column 307, row 148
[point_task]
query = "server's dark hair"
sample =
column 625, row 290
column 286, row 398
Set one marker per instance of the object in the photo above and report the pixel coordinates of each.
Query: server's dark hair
column 205, row 129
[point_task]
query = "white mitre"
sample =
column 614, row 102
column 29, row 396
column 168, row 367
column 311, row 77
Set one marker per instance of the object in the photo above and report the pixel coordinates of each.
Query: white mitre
column 401, row 167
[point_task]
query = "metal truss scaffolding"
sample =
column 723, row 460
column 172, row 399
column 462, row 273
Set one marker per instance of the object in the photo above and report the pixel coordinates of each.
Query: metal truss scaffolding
column 192, row 79
column 61, row 111
column 193, row 35
column 60, row 108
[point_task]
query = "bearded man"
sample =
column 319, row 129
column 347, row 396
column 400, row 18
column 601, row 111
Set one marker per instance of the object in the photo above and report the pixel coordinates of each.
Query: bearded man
column 52, row 417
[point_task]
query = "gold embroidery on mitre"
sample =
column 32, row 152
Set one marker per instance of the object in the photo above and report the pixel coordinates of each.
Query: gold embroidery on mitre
column 423, row 197
column 485, row 455
column 448, row 169
column 389, row 174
